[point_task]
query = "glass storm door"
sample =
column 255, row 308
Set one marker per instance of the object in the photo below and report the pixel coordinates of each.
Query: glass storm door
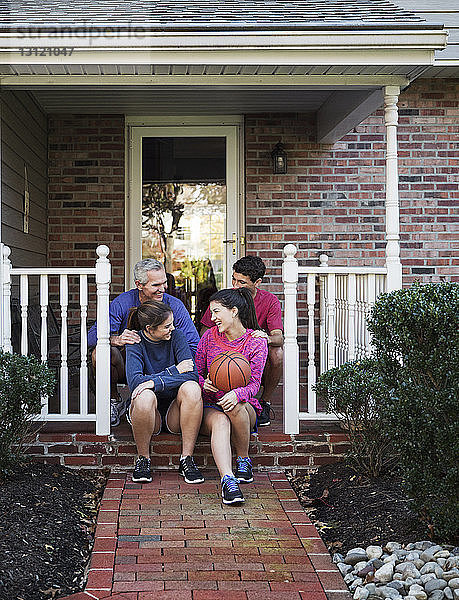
column 188, row 208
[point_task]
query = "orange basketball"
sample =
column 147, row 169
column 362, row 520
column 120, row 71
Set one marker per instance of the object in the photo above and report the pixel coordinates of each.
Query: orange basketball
column 229, row 370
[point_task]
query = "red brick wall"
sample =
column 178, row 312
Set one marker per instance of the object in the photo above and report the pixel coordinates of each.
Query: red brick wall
column 86, row 191
column 332, row 200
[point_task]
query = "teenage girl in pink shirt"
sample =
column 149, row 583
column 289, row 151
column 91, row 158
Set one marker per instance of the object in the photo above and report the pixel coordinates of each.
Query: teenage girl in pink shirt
column 230, row 417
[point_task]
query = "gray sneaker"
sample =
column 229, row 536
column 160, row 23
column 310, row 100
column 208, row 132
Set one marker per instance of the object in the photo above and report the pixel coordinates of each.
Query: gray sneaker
column 117, row 410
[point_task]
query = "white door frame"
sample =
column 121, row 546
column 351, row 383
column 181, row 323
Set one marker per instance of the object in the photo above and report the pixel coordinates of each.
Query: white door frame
column 137, row 128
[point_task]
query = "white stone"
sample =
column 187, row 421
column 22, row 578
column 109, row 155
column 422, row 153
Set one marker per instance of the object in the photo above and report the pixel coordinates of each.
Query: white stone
column 417, row 591
column 452, row 574
column 360, row 565
column 448, row 593
column 374, row 552
column 451, row 563
column 442, row 554
column 427, row 577
column 407, row 569
column 356, row 583
column 384, row 574
column 392, row 546
column 429, row 567
column 435, row 584
column 454, row 583
column 344, row 569
column 361, row 593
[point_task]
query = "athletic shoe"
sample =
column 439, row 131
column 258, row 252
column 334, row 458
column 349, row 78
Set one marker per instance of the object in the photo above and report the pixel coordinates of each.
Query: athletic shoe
column 244, row 472
column 190, row 471
column 117, row 410
column 114, row 413
column 142, row 470
column 266, row 414
column 231, row 492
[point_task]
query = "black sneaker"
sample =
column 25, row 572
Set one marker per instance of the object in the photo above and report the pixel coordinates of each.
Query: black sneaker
column 142, row 470
column 244, row 472
column 266, row 414
column 231, row 492
column 190, row 471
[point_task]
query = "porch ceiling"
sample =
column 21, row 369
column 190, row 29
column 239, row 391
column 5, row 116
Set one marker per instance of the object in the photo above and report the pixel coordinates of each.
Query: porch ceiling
column 175, row 100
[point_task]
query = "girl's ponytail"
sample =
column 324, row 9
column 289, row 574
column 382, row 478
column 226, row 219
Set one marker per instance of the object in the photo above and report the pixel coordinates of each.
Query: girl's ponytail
column 133, row 319
column 151, row 313
column 241, row 299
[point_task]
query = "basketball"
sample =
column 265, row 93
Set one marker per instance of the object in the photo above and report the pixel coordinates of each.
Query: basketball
column 230, row 370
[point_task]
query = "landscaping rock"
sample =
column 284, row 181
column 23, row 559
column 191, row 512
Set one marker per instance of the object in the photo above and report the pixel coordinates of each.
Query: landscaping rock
column 384, row 574
column 454, row 583
column 435, row 584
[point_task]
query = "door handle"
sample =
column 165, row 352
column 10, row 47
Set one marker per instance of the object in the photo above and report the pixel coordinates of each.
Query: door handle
column 233, row 241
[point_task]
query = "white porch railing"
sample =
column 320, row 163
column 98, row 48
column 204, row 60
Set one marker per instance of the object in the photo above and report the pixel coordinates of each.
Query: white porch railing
column 22, row 279
column 339, row 299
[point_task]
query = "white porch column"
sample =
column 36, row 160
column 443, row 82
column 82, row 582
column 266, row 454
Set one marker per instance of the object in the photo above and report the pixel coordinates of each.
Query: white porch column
column 393, row 264
column 291, row 351
column 103, row 278
column 6, row 299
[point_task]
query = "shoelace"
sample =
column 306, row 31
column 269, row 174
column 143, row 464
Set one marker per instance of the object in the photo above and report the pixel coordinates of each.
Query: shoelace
column 189, row 464
column 143, row 463
column 244, row 464
column 231, row 483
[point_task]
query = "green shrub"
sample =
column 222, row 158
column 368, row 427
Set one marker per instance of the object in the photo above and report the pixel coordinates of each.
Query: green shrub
column 415, row 335
column 23, row 382
column 355, row 394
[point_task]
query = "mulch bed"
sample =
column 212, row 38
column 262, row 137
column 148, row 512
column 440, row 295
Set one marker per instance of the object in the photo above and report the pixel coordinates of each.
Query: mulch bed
column 47, row 522
column 350, row 510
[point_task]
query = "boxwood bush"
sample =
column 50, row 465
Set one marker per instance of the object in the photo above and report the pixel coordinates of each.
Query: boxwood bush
column 415, row 335
column 23, row 382
column 354, row 392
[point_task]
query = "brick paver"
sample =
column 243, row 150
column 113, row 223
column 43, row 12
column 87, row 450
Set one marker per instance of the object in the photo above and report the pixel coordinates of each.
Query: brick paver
column 169, row 540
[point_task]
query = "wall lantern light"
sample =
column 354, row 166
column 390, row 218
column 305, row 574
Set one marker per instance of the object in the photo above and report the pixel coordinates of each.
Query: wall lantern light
column 279, row 158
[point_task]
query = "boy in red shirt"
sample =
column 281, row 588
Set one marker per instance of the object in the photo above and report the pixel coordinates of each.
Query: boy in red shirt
column 248, row 272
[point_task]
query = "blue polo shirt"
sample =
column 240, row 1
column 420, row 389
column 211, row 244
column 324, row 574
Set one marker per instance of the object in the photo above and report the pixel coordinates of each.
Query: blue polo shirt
column 122, row 304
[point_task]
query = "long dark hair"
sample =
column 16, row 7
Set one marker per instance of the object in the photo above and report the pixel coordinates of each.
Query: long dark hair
column 151, row 313
column 241, row 299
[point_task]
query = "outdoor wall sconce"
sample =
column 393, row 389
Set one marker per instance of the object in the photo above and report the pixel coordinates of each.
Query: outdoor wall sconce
column 279, row 158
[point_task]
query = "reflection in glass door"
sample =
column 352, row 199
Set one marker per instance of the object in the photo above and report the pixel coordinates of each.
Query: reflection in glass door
column 184, row 212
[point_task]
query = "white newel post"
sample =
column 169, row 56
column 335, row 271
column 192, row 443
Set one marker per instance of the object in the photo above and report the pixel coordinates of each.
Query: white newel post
column 103, row 278
column 291, row 351
column 393, row 264
column 6, row 299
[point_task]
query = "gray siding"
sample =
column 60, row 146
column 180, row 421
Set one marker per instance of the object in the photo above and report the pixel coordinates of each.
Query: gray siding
column 23, row 142
column 438, row 11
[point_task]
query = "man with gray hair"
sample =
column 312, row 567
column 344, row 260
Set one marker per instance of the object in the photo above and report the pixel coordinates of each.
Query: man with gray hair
column 150, row 284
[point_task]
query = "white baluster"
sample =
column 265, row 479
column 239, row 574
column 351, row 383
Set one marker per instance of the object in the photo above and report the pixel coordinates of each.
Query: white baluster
column 351, row 295
column 311, row 298
column 371, row 297
column 322, row 333
column 103, row 278
column 83, row 346
column 331, row 320
column 6, row 293
column 44, row 332
column 291, row 351
column 44, row 317
column 64, row 374
column 24, row 301
column 323, row 260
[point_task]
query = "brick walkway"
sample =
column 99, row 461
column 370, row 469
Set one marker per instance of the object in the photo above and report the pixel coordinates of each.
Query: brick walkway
column 169, row 540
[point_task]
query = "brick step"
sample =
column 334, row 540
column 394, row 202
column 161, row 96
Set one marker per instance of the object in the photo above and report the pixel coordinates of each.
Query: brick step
column 269, row 451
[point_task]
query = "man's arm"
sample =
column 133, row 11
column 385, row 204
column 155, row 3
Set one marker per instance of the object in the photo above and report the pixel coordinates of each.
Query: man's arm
column 276, row 338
